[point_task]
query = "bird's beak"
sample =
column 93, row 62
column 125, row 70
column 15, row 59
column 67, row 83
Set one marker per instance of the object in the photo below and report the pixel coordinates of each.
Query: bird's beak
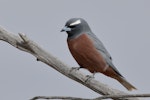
column 66, row 29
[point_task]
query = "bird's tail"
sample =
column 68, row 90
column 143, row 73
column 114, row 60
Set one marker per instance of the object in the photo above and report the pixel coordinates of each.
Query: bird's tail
column 125, row 83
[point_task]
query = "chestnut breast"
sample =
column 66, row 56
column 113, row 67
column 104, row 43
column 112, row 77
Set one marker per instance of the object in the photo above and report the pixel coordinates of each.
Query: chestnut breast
column 85, row 53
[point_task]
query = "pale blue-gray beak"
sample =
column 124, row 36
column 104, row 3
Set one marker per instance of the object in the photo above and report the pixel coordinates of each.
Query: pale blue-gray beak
column 66, row 29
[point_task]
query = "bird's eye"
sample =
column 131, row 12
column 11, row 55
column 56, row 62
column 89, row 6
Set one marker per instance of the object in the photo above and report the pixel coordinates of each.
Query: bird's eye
column 73, row 26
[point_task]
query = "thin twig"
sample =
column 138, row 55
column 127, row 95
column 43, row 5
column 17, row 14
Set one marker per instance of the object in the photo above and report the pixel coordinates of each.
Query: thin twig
column 58, row 97
column 99, row 98
column 122, row 96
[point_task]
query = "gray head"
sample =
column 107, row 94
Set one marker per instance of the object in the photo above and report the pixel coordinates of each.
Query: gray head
column 75, row 27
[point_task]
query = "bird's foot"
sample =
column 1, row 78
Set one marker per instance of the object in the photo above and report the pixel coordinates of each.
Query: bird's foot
column 89, row 77
column 75, row 68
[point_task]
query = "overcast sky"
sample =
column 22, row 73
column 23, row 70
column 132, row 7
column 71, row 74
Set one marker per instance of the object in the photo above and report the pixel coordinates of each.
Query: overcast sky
column 122, row 25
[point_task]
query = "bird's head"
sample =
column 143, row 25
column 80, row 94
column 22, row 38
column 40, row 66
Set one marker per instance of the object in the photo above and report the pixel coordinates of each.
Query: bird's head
column 75, row 27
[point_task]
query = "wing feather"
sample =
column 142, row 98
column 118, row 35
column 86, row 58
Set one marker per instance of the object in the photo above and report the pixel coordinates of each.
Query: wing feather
column 100, row 47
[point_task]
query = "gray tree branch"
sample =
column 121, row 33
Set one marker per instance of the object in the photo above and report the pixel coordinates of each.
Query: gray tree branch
column 99, row 98
column 58, row 97
column 23, row 43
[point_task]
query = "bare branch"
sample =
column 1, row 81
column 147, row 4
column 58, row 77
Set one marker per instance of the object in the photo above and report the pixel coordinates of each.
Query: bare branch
column 99, row 98
column 58, row 97
column 122, row 96
column 25, row 44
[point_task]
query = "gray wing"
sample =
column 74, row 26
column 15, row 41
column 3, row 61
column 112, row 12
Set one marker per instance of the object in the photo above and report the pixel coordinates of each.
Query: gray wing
column 100, row 47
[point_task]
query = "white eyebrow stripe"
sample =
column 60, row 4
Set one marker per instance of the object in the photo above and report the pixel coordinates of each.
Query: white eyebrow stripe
column 76, row 22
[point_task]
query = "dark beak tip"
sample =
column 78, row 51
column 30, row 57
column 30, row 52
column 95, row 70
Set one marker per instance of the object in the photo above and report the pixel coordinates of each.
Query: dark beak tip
column 62, row 30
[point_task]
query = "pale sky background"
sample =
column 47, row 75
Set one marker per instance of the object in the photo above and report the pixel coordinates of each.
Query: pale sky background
column 122, row 25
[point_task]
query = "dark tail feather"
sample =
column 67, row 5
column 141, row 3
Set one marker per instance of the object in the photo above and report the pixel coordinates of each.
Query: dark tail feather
column 125, row 83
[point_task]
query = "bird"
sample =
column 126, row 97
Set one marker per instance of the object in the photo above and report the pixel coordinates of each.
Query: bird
column 89, row 52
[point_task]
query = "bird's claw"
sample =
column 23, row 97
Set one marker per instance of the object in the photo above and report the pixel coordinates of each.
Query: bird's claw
column 89, row 77
column 75, row 68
